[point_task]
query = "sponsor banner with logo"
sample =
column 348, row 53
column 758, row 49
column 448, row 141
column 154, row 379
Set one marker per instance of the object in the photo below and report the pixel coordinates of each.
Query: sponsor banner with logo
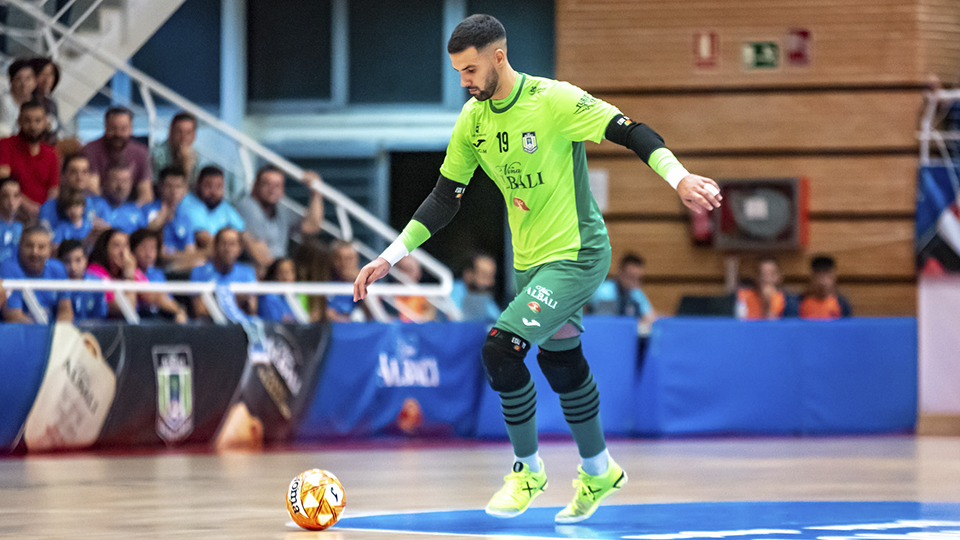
column 76, row 393
column 23, row 361
column 174, row 383
column 398, row 378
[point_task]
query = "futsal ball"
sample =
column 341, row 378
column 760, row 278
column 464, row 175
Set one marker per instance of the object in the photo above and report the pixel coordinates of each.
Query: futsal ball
column 315, row 499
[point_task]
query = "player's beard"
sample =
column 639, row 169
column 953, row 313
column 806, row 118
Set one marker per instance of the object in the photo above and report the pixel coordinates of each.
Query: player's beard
column 490, row 87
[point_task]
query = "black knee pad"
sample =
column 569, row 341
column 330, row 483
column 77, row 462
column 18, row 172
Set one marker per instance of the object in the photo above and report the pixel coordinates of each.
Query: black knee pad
column 564, row 370
column 503, row 354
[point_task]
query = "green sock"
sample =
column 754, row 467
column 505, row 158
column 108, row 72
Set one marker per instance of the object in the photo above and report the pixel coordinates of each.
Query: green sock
column 581, row 409
column 520, row 414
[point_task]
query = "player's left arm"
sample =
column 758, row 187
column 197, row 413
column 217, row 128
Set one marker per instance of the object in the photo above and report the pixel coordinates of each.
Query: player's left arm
column 698, row 193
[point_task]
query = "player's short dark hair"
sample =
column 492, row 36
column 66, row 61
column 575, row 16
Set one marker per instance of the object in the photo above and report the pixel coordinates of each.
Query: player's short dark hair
column 67, row 246
column 209, row 170
column 168, row 171
column 632, row 258
column 114, row 111
column 476, row 31
column 40, row 62
column 184, row 116
column 822, row 263
column 17, row 66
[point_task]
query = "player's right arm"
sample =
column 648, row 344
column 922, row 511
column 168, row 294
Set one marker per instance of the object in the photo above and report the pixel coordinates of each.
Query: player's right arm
column 436, row 210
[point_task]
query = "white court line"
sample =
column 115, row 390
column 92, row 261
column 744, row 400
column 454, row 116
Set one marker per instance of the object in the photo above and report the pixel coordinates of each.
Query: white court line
column 464, row 535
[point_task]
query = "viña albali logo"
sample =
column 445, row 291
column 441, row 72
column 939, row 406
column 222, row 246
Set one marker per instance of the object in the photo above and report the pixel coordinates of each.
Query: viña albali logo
column 174, row 368
column 541, row 294
column 406, row 367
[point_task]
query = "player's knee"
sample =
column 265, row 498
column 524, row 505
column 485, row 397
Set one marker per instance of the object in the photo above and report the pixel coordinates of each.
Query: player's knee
column 564, row 370
column 503, row 354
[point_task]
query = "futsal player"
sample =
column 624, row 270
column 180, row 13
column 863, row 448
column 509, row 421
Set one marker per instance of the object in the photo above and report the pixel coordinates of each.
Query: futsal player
column 527, row 134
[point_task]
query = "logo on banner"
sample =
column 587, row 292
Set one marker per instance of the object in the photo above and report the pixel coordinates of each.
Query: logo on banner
column 279, row 368
column 174, row 367
column 529, row 141
column 542, row 294
column 406, row 367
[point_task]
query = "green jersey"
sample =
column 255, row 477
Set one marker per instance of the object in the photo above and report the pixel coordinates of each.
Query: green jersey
column 531, row 145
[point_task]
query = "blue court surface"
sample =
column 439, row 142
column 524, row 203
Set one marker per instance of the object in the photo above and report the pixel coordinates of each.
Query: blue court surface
column 691, row 521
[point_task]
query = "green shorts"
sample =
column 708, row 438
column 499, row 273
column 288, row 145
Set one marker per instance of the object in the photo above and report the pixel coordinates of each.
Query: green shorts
column 551, row 295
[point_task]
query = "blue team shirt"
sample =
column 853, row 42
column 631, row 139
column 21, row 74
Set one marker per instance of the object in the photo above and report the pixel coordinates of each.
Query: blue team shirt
column 49, row 300
column 127, row 217
column 342, row 303
column 609, row 300
column 474, row 307
column 274, row 307
column 156, row 275
column 67, row 231
column 50, row 217
column 240, row 273
column 88, row 304
column 204, row 219
column 178, row 234
column 9, row 239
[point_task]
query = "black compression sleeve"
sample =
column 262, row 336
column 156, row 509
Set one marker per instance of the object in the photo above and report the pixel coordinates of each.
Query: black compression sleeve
column 634, row 135
column 441, row 205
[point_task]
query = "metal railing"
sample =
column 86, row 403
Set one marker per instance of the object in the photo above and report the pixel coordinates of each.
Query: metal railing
column 937, row 106
column 58, row 35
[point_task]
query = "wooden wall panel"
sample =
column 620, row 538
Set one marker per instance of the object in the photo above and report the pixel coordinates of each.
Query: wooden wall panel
column 849, row 185
column 629, row 45
column 864, row 249
column 940, row 39
column 867, row 300
column 774, row 121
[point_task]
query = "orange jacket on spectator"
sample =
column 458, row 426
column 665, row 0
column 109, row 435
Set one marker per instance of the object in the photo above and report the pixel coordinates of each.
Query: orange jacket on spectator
column 754, row 304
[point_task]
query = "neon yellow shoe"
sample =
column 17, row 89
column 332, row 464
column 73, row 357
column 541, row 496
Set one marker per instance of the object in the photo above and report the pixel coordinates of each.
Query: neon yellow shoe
column 590, row 491
column 520, row 488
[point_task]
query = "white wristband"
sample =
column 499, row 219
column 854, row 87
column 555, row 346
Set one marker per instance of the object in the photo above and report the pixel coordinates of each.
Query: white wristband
column 395, row 252
column 675, row 175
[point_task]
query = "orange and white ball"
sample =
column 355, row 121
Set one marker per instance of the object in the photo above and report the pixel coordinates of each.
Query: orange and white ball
column 315, row 499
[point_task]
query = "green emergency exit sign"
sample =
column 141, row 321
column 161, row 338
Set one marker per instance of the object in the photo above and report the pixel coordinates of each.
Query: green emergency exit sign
column 761, row 55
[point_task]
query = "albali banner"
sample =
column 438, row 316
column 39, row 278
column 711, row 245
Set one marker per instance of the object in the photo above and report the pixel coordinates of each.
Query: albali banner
column 419, row 379
column 23, row 361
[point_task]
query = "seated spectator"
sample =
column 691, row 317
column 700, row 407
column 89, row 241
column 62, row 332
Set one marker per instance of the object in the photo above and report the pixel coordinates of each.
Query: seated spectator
column 75, row 225
column 224, row 269
column 86, row 304
column 146, row 246
column 346, row 267
column 74, row 176
column 167, row 215
column 821, row 300
column 110, row 260
column 474, row 293
column 764, row 298
column 10, row 228
column 269, row 223
column 23, row 83
column 114, row 206
column 117, row 147
column 413, row 308
column 48, row 77
column 33, row 262
column 177, row 151
column 30, row 160
column 208, row 211
column 313, row 264
column 623, row 295
column 274, row 307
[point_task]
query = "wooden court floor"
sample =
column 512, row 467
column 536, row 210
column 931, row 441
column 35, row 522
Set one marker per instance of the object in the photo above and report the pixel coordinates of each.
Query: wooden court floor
column 229, row 496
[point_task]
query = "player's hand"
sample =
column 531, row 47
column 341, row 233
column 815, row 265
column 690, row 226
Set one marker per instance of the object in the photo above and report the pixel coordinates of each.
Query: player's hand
column 699, row 193
column 373, row 271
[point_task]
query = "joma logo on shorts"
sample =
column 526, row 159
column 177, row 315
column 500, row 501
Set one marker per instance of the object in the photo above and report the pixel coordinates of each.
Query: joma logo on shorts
column 543, row 295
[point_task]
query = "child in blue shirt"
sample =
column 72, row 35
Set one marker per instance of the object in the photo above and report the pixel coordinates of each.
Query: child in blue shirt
column 10, row 228
column 76, row 226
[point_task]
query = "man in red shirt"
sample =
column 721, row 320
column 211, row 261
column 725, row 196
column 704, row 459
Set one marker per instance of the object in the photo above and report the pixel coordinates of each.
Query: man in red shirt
column 31, row 162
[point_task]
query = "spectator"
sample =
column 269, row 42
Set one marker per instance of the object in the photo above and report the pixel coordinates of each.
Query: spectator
column 177, row 151
column 268, row 223
column 763, row 299
column 86, row 304
column 33, row 262
column 224, row 269
column 110, row 260
column 821, row 300
column 146, row 246
column 623, row 295
column 114, row 206
column 48, row 77
column 413, row 308
column 313, row 263
column 23, row 82
column 116, row 147
column 32, row 162
column 75, row 225
column 74, row 176
column 274, row 307
column 208, row 211
column 10, row 228
column 474, row 293
column 167, row 215
column 346, row 267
